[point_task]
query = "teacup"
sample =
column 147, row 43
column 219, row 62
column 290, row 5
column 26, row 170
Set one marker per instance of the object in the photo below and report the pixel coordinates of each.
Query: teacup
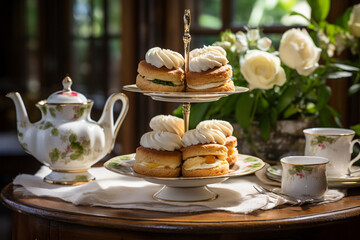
column 304, row 177
column 335, row 144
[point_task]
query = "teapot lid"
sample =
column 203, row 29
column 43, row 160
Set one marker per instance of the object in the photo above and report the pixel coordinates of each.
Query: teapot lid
column 66, row 95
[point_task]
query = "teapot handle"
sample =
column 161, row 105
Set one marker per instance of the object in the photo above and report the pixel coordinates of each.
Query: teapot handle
column 107, row 117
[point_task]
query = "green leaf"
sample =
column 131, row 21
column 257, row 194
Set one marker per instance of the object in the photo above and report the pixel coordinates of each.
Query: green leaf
column 325, row 117
column 228, row 106
column 265, row 127
column 273, row 117
column 243, row 110
column 356, row 128
column 47, row 125
column 344, row 19
column 286, row 98
column 263, row 105
column 198, row 111
column 72, row 138
column 299, row 14
column 76, row 146
column 323, row 96
column 54, row 155
column 178, row 112
column 55, row 132
column 290, row 111
column 319, row 9
column 215, row 107
column 354, row 89
column 52, row 112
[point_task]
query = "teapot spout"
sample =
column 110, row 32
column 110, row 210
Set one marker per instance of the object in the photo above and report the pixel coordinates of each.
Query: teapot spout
column 21, row 114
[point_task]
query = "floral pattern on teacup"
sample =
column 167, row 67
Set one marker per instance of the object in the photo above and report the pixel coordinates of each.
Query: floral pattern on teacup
column 300, row 171
column 322, row 142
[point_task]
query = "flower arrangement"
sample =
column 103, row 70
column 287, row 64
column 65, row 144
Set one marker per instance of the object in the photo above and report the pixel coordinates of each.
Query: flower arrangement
column 286, row 84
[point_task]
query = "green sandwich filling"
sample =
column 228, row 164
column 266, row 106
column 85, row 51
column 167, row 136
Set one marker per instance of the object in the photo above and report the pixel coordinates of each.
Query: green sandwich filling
column 162, row 82
column 157, row 81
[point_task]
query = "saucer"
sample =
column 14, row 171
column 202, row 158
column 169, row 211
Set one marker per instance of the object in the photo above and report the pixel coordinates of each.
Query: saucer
column 274, row 173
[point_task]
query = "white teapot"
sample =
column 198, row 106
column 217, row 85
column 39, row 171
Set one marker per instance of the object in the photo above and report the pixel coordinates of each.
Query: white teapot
column 66, row 139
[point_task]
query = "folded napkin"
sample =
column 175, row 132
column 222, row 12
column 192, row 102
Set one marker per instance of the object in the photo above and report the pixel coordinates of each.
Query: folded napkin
column 118, row 191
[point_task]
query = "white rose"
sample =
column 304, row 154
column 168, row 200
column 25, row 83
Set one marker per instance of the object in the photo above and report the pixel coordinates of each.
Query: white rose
column 262, row 70
column 253, row 35
column 241, row 43
column 298, row 51
column 264, row 43
column 354, row 21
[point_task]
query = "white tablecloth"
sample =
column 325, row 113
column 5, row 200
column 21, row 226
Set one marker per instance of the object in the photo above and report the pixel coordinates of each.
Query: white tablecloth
column 118, row 191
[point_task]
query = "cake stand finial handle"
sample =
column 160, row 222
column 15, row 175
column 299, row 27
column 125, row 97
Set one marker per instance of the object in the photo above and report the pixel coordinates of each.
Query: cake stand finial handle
column 187, row 38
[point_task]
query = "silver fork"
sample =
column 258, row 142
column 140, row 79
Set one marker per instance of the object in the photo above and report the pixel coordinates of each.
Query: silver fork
column 290, row 199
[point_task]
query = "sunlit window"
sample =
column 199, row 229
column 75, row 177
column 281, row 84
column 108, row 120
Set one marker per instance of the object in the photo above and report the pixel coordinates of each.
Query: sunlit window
column 269, row 12
column 213, row 16
column 96, row 43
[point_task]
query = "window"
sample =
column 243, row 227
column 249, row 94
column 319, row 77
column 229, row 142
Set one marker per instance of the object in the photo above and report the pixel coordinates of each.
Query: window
column 210, row 17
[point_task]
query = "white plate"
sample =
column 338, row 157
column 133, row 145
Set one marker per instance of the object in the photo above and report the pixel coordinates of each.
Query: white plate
column 245, row 165
column 189, row 97
column 274, row 173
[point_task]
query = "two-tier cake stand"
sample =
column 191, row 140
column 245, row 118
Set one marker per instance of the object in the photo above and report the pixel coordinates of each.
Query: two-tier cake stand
column 185, row 189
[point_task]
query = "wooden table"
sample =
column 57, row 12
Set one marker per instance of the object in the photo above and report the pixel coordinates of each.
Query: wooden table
column 50, row 218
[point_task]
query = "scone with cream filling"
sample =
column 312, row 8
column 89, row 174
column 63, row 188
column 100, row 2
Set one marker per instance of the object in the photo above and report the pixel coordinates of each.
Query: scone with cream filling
column 209, row 71
column 159, row 155
column 161, row 71
column 227, row 129
column 204, row 153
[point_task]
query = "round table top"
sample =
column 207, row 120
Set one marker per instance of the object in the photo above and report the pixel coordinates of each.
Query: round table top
column 285, row 217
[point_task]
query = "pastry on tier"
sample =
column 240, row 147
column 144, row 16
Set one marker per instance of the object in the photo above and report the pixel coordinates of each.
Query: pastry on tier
column 209, row 71
column 232, row 154
column 226, row 128
column 204, row 153
column 159, row 155
column 167, row 123
column 161, row 71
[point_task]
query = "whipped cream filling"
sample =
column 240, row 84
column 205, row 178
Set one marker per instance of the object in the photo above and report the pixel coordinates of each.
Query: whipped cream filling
column 203, row 136
column 164, row 57
column 207, row 85
column 200, row 163
column 161, row 141
column 202, row 59
column 225, row 127
column 167, row 123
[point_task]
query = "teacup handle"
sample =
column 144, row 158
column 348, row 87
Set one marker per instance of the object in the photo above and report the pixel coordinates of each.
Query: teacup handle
column 356, row 158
